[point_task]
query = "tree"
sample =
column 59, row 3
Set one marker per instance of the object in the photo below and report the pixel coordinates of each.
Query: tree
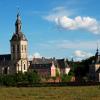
column 57, row 72
column 66, row 78
column 9, row 80
column 33, row 77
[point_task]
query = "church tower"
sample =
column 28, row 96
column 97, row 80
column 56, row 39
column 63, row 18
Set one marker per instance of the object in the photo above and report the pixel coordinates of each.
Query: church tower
column 19, row 46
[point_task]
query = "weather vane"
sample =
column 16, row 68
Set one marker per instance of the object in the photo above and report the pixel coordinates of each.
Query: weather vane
column 18, row 11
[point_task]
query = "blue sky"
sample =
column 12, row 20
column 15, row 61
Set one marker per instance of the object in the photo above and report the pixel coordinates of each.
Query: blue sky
column 54, row 28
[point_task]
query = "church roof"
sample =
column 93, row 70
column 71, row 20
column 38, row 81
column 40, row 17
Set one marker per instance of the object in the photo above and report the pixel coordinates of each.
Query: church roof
column 19, row 36
column 61, row 63
column 5, row 57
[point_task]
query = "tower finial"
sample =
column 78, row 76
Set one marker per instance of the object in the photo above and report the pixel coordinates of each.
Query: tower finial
column 18, row 9
column 97, row 46
column 18, row 13
column 18, row 23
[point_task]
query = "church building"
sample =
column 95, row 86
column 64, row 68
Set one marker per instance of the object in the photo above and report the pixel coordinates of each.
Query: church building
column 17, row 61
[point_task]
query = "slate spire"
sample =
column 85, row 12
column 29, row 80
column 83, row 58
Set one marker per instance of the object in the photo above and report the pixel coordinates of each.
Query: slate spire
column 18, row 24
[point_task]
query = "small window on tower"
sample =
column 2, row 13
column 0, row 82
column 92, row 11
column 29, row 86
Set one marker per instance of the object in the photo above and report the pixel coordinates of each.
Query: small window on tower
column 13, row 48
column 25, row 47
column 18, row 48
column 22, row 47
column 24, row 67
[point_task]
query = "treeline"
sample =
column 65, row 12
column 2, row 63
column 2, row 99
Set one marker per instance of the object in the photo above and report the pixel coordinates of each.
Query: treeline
column 81, row 68
column 27, row 78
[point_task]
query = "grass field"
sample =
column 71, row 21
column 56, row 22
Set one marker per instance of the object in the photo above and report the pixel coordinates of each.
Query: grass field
column 50, row 93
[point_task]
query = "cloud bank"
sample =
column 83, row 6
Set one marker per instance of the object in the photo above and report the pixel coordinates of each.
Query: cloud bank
column 82, row 54
column 60, row 16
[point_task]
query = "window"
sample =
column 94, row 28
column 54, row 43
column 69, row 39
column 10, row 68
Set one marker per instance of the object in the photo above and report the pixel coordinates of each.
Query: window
column 25, row 48
column 13, row 48
column 18, row 66
column 22, row 47
column 24, row 67
column 17, row 48
column 5, row 70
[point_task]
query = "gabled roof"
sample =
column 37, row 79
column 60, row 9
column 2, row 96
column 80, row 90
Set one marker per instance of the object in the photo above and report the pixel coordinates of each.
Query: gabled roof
column 41, row 61
column 5, row 57
column 60, row 63
column 40, row 66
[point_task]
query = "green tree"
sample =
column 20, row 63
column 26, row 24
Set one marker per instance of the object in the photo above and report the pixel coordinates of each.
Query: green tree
column 66, row 78
column 57, row 72
column 9, row 80
column 33, row 77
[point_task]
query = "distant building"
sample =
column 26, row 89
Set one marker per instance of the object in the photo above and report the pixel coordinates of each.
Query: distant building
column 94, row 69
column 48, row 67
column 53, row 70
column 41, row 65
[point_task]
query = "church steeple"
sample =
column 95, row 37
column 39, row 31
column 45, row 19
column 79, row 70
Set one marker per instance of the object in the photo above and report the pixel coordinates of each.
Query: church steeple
column 97, row 51
column 97, row 56
column 19, row 46
column 18, row 24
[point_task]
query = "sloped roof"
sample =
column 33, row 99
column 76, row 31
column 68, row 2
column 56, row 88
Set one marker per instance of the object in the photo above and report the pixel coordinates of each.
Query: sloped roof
column 40, row 66
column 18, row 36
column 61, row 63
column 5, row 57
column 41, row 61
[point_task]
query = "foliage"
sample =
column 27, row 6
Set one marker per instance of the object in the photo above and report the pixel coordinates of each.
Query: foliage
column 57, row 72
column 66, row 78
column 81, row 68
column 71, row 73
column 33, row 77
column 13, row 80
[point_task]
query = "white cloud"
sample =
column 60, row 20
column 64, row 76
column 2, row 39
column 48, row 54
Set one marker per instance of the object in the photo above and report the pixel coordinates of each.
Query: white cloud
column 57, row 12
column 60, row 16
column 84, row 23
column 37, row 55
column 82, row 54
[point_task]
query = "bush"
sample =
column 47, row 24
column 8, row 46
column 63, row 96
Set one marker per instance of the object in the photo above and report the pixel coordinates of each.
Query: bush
column 22, row 78
column 66, row 78
column 33, row 77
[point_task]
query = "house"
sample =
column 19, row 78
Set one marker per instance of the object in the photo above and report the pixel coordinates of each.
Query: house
column 49, row 67
column 94, row 69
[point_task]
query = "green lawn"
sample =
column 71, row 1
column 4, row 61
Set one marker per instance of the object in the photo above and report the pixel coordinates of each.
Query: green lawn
column 50, row 93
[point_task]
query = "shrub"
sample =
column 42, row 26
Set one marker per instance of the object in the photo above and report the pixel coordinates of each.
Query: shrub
column 66, row 78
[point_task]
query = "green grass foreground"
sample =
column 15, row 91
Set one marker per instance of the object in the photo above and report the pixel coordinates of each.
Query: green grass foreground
column 50, row 93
